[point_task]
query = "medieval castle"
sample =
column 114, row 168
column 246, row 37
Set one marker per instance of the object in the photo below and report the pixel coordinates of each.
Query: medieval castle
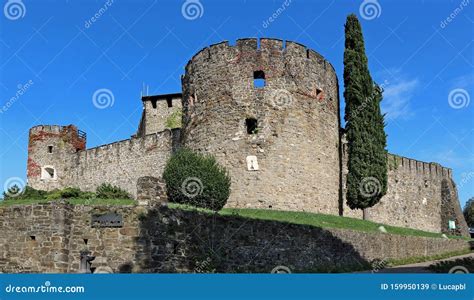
column 268, row 110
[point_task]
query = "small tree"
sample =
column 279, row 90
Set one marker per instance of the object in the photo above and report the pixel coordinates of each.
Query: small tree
column 367, row 157
column 196, row 179
column 469, row 212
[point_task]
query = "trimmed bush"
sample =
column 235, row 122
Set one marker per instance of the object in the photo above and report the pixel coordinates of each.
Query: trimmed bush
column 108, row 191
column 196, row 179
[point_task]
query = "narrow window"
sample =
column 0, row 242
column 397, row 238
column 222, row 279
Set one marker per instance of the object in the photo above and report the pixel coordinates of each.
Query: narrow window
column 259, row 79
column 50, row 149
column 251, row 124
column 48, row 173
column 170, row 102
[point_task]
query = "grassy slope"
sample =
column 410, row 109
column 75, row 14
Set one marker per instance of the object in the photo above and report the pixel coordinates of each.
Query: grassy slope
column 304, row 218
column 314, row 219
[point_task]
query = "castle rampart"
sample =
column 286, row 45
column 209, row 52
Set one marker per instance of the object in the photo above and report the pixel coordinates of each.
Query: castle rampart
column 120, row 163
column 415, row 196
column 288, row 125
column 268, row 110
column 49, row 238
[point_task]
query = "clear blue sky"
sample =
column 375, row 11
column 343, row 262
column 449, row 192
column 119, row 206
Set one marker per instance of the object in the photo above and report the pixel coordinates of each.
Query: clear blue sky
column 419, row 55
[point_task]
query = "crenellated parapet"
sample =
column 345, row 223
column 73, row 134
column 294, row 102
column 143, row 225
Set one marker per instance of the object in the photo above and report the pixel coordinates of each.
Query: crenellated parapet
column 406, row 164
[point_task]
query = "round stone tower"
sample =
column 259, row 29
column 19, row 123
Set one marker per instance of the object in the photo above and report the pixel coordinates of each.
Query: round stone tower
column 269, row 112
column 49, row 155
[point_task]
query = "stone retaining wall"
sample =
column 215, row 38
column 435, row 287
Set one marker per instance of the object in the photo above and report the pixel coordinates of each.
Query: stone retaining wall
column 49, row 238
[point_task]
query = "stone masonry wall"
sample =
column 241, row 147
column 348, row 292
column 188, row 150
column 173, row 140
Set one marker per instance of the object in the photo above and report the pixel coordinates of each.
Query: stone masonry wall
column 414, row 196
column 297, row 111
column 155, row 117
column 120, row 163
column 51, row 146
column 49, row 238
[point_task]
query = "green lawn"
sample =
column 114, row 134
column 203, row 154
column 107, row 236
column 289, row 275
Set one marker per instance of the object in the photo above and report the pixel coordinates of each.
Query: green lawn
column 314, row 219
column 71, row 201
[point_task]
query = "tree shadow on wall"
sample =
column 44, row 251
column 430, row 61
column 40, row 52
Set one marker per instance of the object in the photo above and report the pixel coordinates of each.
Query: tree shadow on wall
column 183, row 241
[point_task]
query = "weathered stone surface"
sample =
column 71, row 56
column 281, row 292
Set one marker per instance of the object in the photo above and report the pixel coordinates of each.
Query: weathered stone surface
column 151, row 190
column 297, row 112
column 121, row 163
column 170, row 240
column 295, row 138
column 420, row 195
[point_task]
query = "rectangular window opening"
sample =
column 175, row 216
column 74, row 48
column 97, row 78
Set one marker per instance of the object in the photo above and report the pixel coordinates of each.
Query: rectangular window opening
column 252, row 125
column 259, row 79
column 50, row 149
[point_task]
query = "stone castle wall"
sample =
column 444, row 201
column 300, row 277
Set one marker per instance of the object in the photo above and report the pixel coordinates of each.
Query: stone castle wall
column 414, row 196
column 297, row 111
column 156, row 113
column 49, row 238
column 296, row 143
column 120, row 163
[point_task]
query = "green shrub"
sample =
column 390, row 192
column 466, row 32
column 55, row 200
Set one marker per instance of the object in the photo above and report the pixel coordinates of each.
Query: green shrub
column 53, row 195
column 108, row 191
column 66, row 193
column 28, row 192
column 87, row 195
column 196, row 179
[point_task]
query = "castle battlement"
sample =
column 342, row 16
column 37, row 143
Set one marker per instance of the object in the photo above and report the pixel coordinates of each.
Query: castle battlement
column 418, row 167
column 48, row 128
column 268, row 46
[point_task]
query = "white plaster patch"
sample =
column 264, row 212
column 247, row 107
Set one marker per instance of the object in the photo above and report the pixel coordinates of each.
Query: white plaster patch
column 252, row 163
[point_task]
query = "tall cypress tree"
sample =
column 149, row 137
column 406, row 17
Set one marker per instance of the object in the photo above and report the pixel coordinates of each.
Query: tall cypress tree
column 367, row 156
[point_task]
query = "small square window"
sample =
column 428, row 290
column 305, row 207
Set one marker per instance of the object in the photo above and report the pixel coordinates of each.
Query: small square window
column 259, row 79
column 252, row 125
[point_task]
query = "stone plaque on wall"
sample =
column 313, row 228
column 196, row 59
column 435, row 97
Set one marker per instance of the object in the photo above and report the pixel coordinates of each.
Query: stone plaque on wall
column 107, row 220
column 252, row 163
